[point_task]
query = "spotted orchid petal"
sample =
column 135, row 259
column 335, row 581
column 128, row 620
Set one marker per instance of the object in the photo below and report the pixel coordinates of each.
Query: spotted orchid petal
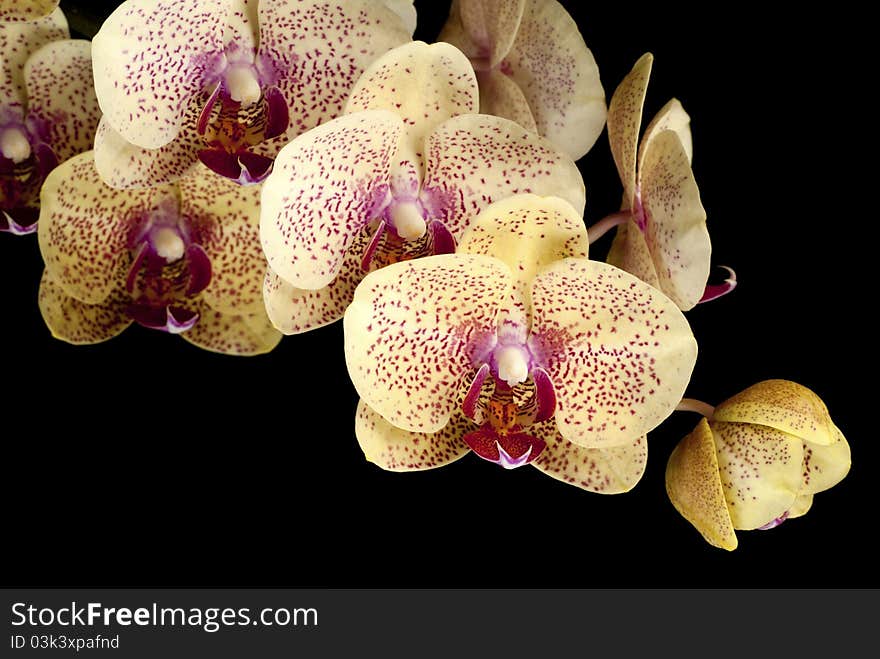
column 84, row 228
column 694, row 487
column 425, row 85
column 395, row 449
column 670, row 117
column 61, row 95
column 619, row 352
column 526, row 232
column 603, row 471
column 227, row 217
column 629, row 251
column 123, row 165
column 318, row 199
column 13, row 11
column 501, row 96
column 78, row 322
column 151, row 58
column 784, row 405
column 624, row 122
column 558, row 76
column 295, row 310
column 484, row 30
column 760, row 470
column 676, row 232
column 17, row 42
column 231, row 334
column 411, row 332
column 825, row 466
column 474, row 160
column 319, row 48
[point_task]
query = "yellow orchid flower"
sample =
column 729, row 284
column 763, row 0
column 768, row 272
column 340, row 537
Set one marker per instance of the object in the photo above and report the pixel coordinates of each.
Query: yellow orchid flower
column 227, row 82
column 533, row 68
column 183, row 258
column 399, row 176
column 48, row 109
column 661, row 232
column 518, row 348
column 757, row 461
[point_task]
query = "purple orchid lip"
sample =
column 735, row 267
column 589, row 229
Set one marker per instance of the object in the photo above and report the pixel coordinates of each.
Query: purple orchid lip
column 774, row 523
column 715, row 291
column 510, row 450
column 171, row 319
column 19, row 221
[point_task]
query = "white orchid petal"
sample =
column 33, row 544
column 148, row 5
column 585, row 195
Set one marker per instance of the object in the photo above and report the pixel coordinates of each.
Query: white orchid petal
column 412, row 330
column 619, row 352
column 318, row 198
column 151, row 58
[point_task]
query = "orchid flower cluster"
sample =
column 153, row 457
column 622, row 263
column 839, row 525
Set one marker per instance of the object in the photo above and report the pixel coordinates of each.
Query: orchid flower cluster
column 236, row 170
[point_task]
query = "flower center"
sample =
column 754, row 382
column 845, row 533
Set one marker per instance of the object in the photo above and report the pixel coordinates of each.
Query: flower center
column 243, row 86
column 408, row 219
column 168, row 243
column 512, row 364
column 14, row 145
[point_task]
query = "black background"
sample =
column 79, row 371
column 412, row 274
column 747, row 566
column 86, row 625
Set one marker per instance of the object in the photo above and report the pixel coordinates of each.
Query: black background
column 147, row 462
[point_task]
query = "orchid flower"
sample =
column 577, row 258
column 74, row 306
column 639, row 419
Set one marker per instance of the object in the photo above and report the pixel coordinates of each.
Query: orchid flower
column 48, row 110
column 15, row 11
column 661, row 232
column 533, row 68
column 755, row 461
column 227, row 82
column 399, row 176
column 183, row 258
column 519, row 348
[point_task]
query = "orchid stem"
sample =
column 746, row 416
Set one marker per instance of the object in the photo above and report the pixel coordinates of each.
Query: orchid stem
column 604, row 225
column 698, row 406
